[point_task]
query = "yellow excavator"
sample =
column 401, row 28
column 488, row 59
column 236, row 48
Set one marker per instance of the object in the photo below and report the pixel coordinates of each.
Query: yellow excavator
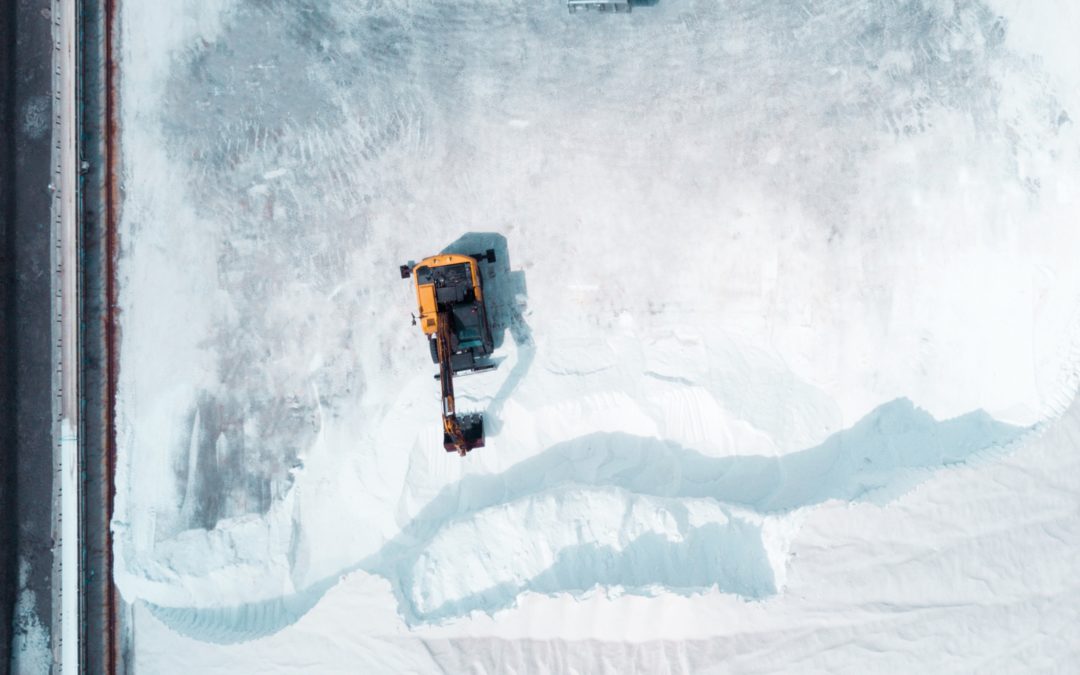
column 450, row 295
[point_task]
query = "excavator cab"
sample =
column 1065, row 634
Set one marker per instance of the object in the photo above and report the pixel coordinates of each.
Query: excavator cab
column 450, row 295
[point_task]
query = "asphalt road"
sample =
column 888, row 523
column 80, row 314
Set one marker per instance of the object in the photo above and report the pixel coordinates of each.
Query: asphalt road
column 26, row 448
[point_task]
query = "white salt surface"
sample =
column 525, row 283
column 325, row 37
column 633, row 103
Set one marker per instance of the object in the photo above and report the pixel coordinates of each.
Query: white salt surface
column 787, row 307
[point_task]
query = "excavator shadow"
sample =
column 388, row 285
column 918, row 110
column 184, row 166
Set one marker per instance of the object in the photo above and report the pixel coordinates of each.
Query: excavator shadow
column 505, row 300
column 504, row 289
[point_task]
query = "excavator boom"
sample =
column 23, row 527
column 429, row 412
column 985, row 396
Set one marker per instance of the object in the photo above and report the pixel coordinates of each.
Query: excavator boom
column 466, row 433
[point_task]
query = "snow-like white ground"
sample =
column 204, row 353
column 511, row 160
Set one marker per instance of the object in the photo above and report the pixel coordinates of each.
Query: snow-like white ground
column 787, row 306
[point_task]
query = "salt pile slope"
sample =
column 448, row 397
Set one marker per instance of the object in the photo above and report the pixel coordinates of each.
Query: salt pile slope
column 774, row 229
column 974, row 569
column 637, row 514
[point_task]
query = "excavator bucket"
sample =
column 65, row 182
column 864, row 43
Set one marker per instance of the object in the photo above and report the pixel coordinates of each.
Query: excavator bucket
column 472, row 431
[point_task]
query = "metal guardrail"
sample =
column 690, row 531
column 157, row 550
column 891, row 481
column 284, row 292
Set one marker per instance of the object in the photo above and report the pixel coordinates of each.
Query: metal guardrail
column 67, row 589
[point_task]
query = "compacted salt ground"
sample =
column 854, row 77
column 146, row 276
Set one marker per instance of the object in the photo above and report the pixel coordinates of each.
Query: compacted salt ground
column 786, row 313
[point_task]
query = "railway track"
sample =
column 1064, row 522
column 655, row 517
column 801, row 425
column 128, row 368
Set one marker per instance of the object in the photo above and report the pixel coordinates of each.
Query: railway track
column 86, row 628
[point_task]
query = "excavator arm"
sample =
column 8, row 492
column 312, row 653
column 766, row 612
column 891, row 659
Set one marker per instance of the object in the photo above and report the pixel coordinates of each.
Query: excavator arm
column 464, row 434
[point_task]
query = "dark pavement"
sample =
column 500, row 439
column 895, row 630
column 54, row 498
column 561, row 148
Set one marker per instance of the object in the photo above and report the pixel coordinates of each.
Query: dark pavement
column 26, row 449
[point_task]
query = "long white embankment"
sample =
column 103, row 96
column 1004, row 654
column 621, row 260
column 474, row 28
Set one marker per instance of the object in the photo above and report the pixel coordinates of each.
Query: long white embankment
column 65, row 230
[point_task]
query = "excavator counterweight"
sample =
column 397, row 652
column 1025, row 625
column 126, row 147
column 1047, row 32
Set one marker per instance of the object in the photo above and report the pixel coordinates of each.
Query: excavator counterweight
column 449, row 292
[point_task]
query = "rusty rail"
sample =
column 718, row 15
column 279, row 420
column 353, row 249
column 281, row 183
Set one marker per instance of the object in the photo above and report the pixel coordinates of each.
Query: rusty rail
column 102, row 644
